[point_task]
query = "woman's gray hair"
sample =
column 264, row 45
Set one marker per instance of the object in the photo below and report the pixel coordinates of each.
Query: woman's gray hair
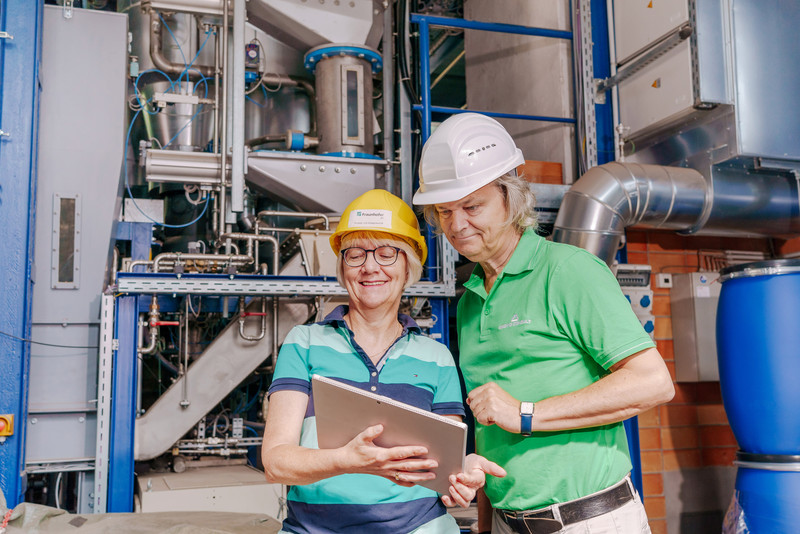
column 518, row 197
column 375, row 239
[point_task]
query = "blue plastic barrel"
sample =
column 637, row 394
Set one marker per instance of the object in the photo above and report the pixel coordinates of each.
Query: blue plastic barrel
column 758, row 349
column 768, row 495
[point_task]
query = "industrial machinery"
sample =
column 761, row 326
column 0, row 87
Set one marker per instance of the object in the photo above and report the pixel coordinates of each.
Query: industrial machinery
column 249, row 127
column 194, row 155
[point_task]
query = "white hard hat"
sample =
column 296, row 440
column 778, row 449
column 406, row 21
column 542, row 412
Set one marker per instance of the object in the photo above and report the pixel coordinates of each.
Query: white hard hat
column 466, row 152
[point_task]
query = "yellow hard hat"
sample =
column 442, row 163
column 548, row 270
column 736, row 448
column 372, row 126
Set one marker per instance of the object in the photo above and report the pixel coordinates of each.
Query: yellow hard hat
column 378, row 210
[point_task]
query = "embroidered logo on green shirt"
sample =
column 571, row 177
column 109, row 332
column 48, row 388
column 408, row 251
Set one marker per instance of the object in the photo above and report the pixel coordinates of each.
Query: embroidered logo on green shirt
column 514, row 322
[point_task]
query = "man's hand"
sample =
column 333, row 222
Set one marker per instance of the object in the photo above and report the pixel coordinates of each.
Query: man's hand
column 464, row 485
column 492, row 405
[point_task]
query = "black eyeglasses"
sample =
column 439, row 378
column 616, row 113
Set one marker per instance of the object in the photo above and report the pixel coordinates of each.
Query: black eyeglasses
column 356, row 256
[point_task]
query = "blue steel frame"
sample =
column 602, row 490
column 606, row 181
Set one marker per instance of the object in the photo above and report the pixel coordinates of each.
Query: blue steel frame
column 19, row 117
column 605, row 133
column 440, row 306
column 123, row 407
column 605, row 153
column 124, row 379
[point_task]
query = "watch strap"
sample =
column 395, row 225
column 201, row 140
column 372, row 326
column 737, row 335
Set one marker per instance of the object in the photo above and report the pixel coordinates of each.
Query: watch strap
column 526, row 417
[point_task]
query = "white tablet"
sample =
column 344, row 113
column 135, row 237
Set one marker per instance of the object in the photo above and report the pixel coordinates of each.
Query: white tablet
column 343, row 411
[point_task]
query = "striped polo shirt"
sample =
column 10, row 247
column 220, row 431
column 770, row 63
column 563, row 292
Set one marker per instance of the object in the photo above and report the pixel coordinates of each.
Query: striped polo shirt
column 416, row 370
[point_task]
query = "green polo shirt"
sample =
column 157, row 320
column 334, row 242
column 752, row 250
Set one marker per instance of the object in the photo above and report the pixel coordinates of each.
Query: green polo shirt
column 554, row 322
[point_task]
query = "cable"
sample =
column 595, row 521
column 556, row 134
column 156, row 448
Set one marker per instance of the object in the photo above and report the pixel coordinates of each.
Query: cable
column 189, row 66
column 254, row 102
column 47, row 344
column 137, row 92
column 125, row 167
column 58, row 489
column 164, row 23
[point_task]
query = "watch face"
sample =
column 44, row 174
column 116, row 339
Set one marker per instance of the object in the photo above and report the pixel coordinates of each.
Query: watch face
column 526, row 408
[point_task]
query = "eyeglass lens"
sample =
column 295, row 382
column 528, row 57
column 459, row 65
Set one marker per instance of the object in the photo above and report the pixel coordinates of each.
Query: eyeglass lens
column 357, row 256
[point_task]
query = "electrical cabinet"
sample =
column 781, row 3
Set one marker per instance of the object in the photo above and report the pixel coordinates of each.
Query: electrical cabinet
column 693, row 302
column 659, row 91
column 672, row 55
column 640, row 22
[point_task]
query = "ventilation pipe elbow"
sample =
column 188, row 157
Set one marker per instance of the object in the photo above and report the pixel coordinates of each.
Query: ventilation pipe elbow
column 608, row 198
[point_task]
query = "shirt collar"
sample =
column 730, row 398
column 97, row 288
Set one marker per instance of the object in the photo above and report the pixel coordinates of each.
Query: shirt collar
column 523, row 259
column 336, row 318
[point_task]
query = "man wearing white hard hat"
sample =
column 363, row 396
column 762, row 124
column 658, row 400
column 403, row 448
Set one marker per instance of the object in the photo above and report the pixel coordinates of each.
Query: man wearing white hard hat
column 553, row 357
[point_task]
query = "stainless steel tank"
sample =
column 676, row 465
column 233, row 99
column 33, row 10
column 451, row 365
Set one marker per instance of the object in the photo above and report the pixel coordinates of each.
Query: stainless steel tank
column 268, row 109
column 344, row 97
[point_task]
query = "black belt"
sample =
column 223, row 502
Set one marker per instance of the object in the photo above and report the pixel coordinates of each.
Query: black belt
column 545, row 522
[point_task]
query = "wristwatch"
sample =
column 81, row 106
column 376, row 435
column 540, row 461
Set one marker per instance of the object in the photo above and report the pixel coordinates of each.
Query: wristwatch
column 526, row 418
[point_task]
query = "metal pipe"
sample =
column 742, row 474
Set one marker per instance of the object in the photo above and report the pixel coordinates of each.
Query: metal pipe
column 274, row 330
column 269, row 138
column 214, row 214
column 608, row 198
column 168, row 263
column 237, row 116
column 447, row 22
column 136, row 263
column 215, row 147
column 177, row 257
column 303, row 214
column 304, row 256
column 243, row 314
column 425, row 79
column 305, row 85
column 251, row 238
column 388, row 99
column 151, row 346
column 597, row 208
column 152, row 321
column 173, row 166
column 164, row 64
column 224, row 133
column 114, row 262
column 185, row 402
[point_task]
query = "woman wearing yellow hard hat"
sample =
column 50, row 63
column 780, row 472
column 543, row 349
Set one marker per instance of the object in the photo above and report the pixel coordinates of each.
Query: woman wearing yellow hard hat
column 367, row 343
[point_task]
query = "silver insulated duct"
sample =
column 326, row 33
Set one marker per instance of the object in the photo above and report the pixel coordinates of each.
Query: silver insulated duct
column 596, row 210
column 709, row 126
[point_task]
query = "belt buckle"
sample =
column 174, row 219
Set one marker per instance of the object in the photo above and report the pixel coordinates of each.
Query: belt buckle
column 532, row 522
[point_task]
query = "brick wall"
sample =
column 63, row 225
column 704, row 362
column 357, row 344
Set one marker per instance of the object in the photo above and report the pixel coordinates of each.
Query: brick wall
column 692, row 430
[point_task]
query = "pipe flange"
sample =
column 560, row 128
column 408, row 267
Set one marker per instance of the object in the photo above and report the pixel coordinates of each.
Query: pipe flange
column 320, row 53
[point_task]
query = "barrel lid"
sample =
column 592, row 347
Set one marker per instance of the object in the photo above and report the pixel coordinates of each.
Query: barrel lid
column 760, row 268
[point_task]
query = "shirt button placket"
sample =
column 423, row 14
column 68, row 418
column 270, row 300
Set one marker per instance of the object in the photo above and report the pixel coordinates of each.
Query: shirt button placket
column 486, row 311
